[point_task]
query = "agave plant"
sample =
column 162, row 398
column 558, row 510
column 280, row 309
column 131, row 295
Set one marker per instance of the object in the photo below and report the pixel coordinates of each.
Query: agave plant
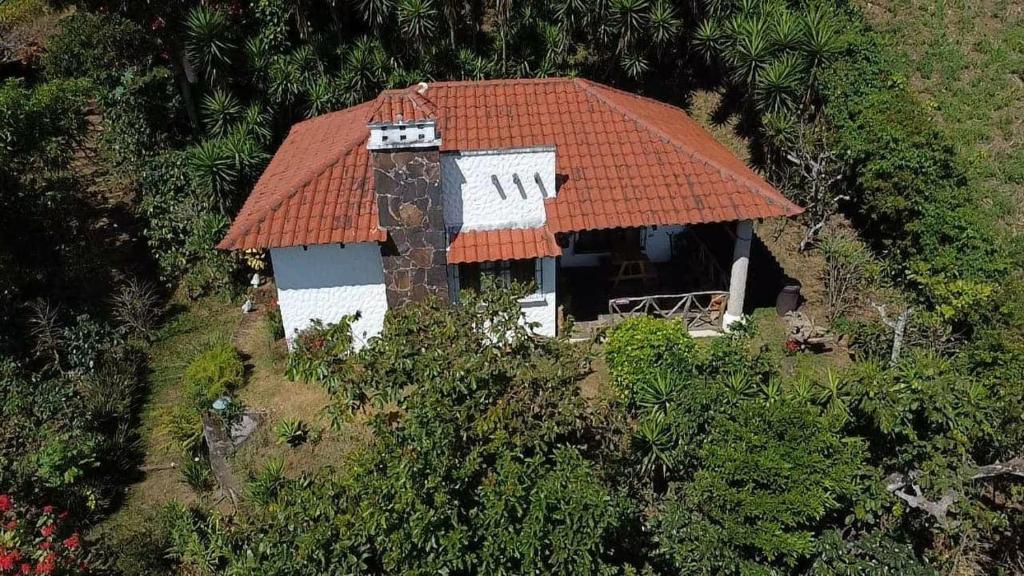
column 209, row 40
column 659, row 393
column 634, row 64
column 268, row 483
column 821, row 39
column 787, row 31
column 376, row 12
column 654, row 441
column 213, row 169
column 738, row 386
column 779, row 85
column 663, row 23
column 417, row 18
column 366, row 68
column 629, row 18
column 750, row 48
column 196, row 474
column 220, row 110
column 292, row 431
column 834, row 396
column 707, row 40
column 320, row 97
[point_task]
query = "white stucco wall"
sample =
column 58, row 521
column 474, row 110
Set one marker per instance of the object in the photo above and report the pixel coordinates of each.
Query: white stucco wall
column 472, row 199
column 539, row 307
column 658, row 247
column 329, row 282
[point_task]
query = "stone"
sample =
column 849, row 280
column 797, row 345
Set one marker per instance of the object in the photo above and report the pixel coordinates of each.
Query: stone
column 407, row 185
column 410, row 215
column 422, row 257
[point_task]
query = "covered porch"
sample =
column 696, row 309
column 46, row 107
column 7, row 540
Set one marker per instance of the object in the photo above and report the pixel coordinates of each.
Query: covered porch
column 696, row 273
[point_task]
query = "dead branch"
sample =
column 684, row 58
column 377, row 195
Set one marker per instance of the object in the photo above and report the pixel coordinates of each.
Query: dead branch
column 898, row 484
column 1014, row 467
column 898, row 326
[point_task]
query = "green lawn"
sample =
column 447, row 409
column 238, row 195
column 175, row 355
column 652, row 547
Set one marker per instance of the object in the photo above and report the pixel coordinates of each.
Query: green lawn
column 967, row 60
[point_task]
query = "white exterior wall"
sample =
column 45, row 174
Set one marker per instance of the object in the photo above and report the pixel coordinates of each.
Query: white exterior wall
column 658, row 247
column 541, row 307
column 329, row 282
column 472, row 200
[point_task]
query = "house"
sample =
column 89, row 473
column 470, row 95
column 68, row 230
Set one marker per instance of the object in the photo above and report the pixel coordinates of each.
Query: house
column 605, row 199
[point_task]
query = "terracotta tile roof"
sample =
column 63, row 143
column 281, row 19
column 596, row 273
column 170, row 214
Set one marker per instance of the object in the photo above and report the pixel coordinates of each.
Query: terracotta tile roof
column 405, row 105
column 506, row 244
column 622, row 160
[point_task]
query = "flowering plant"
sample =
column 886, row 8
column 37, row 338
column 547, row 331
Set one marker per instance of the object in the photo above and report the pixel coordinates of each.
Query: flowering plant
column 37, row 541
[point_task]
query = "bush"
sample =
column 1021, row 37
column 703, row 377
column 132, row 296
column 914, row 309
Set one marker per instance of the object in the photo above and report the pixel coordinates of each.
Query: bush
column 293, row 432
column 274, row 322
column 96, row 46
column 136, row 308
column 320, row 351
column 768, row 475
column 197, row 475
column 38, row 541
column 640, row 347
column 215, row 373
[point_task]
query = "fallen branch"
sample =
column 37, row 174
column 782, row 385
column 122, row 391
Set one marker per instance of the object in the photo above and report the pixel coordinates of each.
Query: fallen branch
column 898, row 483
column 1014, row 467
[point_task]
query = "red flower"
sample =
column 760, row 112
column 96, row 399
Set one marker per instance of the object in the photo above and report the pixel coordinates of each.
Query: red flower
column 5, row 502
column 8, row 560
column 47, row 530
column 26, row 568
column 47, row 565
column 45, row 545
column 792, row 346
column 47, row 509
column 10, row 526
column 73, row 542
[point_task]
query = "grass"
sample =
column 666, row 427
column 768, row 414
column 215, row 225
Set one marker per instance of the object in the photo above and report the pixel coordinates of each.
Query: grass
column 192, row 327
column 967, row 64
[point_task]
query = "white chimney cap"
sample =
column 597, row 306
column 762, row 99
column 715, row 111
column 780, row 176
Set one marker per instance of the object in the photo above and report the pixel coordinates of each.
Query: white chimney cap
column 421, row 88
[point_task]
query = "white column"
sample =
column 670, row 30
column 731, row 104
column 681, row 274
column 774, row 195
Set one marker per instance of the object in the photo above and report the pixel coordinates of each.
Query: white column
column 738, row 273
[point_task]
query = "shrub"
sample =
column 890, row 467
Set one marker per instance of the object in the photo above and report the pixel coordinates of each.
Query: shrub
column 136, row 308
column 274, row 322
column 640, row 347
column 293, row 432
column 319, row 351
column 95, row 46
column 768, row 475
column 39, row 541
column 848, row 269
column 215, row 373
column 197, row 475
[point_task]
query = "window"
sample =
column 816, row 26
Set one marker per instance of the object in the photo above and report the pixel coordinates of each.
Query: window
column 503, row 272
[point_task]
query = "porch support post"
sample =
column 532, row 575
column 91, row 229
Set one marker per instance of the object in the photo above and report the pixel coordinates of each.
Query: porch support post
column 738, row 274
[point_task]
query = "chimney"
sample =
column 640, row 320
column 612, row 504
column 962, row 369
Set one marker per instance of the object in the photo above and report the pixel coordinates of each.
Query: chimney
column 407, row 179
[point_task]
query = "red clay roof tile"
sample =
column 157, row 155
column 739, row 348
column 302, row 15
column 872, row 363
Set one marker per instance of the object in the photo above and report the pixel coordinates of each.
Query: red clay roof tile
column 622, row 160
column 490, row 245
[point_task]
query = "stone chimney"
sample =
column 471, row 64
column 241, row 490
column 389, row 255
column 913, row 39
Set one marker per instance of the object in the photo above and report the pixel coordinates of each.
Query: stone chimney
column 407, row 178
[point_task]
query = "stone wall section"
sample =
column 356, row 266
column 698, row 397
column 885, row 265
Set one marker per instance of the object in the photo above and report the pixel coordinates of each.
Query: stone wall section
column 408, row 187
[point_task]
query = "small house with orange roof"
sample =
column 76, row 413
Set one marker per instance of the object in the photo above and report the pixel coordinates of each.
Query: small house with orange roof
column 607, row 203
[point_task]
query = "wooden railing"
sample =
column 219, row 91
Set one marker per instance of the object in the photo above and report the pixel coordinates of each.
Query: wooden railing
column 700, row 310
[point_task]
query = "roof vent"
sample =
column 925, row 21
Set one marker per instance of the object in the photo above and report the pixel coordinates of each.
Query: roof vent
column 421, row 88
column 420, row 134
